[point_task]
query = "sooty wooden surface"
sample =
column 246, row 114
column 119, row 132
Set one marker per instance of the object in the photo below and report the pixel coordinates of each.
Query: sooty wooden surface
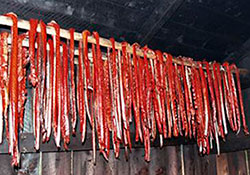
column 172, row 160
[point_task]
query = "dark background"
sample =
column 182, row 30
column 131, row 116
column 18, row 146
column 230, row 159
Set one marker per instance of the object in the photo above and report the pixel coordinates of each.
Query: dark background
column 201, row 29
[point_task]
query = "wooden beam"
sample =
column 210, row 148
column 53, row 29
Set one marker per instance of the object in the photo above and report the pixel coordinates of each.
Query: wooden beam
column 23, row 24
column 234, row 143
column 27, row 143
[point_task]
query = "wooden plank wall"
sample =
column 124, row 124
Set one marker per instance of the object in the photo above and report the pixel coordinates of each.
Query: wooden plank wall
column 173, row 160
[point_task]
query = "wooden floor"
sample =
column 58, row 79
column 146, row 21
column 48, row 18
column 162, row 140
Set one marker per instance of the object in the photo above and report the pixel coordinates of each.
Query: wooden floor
column 172, row 160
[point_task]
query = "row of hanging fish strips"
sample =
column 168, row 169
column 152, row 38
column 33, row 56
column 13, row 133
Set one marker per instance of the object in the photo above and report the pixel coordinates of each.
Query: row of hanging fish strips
column 164, row 99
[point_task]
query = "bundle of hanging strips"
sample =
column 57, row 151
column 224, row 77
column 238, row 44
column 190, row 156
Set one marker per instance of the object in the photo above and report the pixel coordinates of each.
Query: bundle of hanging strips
column 200, row 101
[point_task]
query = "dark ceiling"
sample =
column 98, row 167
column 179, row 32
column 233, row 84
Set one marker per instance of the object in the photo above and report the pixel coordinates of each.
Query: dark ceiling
column 210, row 29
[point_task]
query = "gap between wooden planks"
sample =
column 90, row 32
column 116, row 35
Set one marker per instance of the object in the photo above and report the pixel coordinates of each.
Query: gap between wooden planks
column 24, row 24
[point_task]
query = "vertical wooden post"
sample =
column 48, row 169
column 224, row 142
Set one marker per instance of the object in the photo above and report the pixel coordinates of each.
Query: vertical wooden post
column 222, row 165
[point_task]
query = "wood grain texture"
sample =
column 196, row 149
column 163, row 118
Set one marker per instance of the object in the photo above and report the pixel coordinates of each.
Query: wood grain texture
column 30, row 164
column 58, row 163
column 222, row 165
column 237, row 163
column 164, row 161
column 5, row 167
column 189, row 157
column 207, row 165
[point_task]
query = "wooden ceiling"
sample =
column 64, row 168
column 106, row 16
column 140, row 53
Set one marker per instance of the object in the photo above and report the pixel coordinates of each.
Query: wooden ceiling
column 202, row 29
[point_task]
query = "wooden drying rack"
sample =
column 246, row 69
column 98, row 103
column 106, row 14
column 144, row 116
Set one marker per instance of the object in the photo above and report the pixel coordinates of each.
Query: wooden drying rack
column 234, row 143
column 24, row 24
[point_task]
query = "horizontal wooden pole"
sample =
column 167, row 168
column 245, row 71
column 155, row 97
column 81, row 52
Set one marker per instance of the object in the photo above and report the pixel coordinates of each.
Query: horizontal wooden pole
column 233, row 143
column 26, row 44
column 24, row 24
column 26, row 143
